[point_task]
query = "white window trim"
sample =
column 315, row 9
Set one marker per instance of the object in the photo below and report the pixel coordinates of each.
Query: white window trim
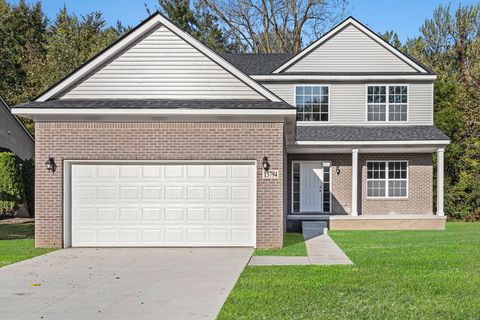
column 387, row 103
column 331, row 184
column 295, row 103
column 387, row 196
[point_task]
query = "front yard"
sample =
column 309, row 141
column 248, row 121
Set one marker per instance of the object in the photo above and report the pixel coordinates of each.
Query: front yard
column 16, row 243
column 396, row 275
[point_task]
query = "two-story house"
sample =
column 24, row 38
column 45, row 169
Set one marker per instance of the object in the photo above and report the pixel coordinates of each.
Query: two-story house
column 159, row 141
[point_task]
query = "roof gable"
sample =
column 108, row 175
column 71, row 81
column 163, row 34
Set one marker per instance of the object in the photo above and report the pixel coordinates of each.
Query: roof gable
column 351, row 47
column 157, row 60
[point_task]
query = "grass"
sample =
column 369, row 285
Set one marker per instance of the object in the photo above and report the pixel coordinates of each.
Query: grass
column 396, row 275
column 293, row 245
column 17, row 244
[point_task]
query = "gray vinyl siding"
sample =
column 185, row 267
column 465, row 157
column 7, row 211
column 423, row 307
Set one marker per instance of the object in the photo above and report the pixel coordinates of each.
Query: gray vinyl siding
column 348, row 102
column 350, row 50
column 162, row 66
column 13, row 136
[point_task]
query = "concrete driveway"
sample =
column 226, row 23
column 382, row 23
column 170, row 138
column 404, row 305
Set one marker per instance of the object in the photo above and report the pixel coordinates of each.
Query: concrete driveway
column 121, row 283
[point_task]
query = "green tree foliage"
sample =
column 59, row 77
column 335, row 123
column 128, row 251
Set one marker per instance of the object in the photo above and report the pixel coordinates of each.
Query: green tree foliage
column 198, row 22
column 11, row 186
column 450, row 45
column 28, row 178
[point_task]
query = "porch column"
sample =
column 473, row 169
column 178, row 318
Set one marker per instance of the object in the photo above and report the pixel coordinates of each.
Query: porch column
column 440, row 178
column 354, row 211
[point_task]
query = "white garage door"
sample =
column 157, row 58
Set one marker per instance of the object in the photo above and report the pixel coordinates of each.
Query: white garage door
column 178, row 204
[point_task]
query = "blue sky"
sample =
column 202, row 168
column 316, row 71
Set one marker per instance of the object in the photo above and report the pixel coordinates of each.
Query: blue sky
column 403, row 16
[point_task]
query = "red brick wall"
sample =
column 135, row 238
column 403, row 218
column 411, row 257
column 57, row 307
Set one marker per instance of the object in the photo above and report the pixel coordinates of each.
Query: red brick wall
column 420, row 183
column 157, row 141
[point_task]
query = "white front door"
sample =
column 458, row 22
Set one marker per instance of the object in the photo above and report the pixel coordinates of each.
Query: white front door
column 311, row 184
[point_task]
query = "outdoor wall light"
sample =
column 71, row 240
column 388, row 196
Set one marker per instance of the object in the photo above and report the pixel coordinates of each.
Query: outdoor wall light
column 265, row 163
column 338, row 170
column 50, row 164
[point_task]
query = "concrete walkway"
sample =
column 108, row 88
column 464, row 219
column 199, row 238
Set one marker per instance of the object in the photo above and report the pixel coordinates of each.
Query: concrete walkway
column 322, row 250
column 121, row 283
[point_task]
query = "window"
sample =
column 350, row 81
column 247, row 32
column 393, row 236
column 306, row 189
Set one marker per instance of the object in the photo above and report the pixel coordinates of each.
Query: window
column 312, row 103
column 296, row 187
column 387, row 103
column 326, row 188
column 387, row 179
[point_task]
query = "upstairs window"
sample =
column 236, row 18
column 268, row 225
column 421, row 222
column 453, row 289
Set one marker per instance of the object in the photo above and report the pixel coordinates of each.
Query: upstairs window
column 312, row 103
column 387, row 103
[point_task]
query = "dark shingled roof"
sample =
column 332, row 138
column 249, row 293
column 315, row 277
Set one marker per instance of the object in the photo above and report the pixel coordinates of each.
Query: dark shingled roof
column 257, row 63
column 157, row 104
column 369, row 133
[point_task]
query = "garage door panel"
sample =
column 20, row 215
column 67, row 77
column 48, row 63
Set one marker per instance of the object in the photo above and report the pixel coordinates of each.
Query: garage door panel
column 163, row 205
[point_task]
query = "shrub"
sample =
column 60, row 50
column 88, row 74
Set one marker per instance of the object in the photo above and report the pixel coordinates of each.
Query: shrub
column 28, row 177
column 11, row 186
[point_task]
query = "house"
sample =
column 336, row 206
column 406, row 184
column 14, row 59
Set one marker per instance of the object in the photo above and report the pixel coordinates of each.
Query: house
column 14, row 137
column 159, row 141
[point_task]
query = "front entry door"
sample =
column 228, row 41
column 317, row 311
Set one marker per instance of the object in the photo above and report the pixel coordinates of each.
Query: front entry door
column 311, row 180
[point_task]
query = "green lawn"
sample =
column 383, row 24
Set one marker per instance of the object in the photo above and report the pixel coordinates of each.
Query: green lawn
column 293, row 245
column 16, row 243
column 396, row 275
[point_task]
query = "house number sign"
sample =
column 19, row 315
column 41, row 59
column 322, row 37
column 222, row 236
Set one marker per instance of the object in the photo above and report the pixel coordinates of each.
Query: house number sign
column 271, row 174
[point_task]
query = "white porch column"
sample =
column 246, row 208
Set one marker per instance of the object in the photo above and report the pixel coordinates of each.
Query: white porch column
column 440, row 177
column 354, row 211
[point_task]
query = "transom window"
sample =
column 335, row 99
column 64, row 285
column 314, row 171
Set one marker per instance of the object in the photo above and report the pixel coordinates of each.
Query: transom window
column 387, row 103
column 312, row 103
column 387, row 179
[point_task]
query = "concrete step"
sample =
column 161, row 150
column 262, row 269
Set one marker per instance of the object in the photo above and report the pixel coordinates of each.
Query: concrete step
column 312, row 229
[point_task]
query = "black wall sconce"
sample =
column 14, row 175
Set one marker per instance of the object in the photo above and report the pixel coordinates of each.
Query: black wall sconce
column 338, row 170
column 50, row 164
column 265, row 163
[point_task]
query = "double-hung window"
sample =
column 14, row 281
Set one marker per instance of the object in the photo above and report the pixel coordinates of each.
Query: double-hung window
column 312, row 103
column 387, row 103
column 387, row 179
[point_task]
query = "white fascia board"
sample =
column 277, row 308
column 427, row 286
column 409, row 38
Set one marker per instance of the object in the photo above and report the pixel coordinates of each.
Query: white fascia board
column 339, row 27
column 375, row 143
column 287, row 77
column 155, row 20
column 153, row 112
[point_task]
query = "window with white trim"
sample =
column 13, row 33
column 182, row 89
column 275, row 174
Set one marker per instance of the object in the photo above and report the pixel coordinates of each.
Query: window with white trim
column 387, row 103
column 312, row 103
column 387, row 179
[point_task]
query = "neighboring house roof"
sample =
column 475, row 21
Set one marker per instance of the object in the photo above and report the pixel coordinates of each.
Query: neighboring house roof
column 347, row 22
column 158, row 103
column 369, row 133
column 154, row 22
column 13, row 134
column 257, row 63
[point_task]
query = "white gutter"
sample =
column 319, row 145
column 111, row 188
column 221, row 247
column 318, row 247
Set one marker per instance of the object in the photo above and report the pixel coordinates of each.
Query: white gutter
column 287, row 77
column 382, row 143
column 153, row 112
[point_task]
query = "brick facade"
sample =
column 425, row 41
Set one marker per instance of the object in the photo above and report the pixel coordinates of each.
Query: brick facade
column 157, row 141
column 420, row 183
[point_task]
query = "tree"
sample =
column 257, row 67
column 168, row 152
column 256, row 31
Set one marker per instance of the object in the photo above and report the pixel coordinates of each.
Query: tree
column 392, row 38
column 11, row 186
column 276, row 26
column 198, row 22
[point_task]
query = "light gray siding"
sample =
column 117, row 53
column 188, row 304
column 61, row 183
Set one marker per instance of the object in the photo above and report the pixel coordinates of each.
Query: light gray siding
column 162, row 65
column 348, row 102
column 13, row 136
column 350, row 50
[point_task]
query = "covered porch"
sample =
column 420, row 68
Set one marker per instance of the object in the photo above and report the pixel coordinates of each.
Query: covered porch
column 366, row 184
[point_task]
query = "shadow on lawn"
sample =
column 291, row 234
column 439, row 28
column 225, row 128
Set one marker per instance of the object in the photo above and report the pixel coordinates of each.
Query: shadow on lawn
column 17, row 231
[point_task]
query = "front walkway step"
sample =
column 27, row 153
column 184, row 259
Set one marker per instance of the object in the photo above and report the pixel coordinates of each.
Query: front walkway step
column 312, row 229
